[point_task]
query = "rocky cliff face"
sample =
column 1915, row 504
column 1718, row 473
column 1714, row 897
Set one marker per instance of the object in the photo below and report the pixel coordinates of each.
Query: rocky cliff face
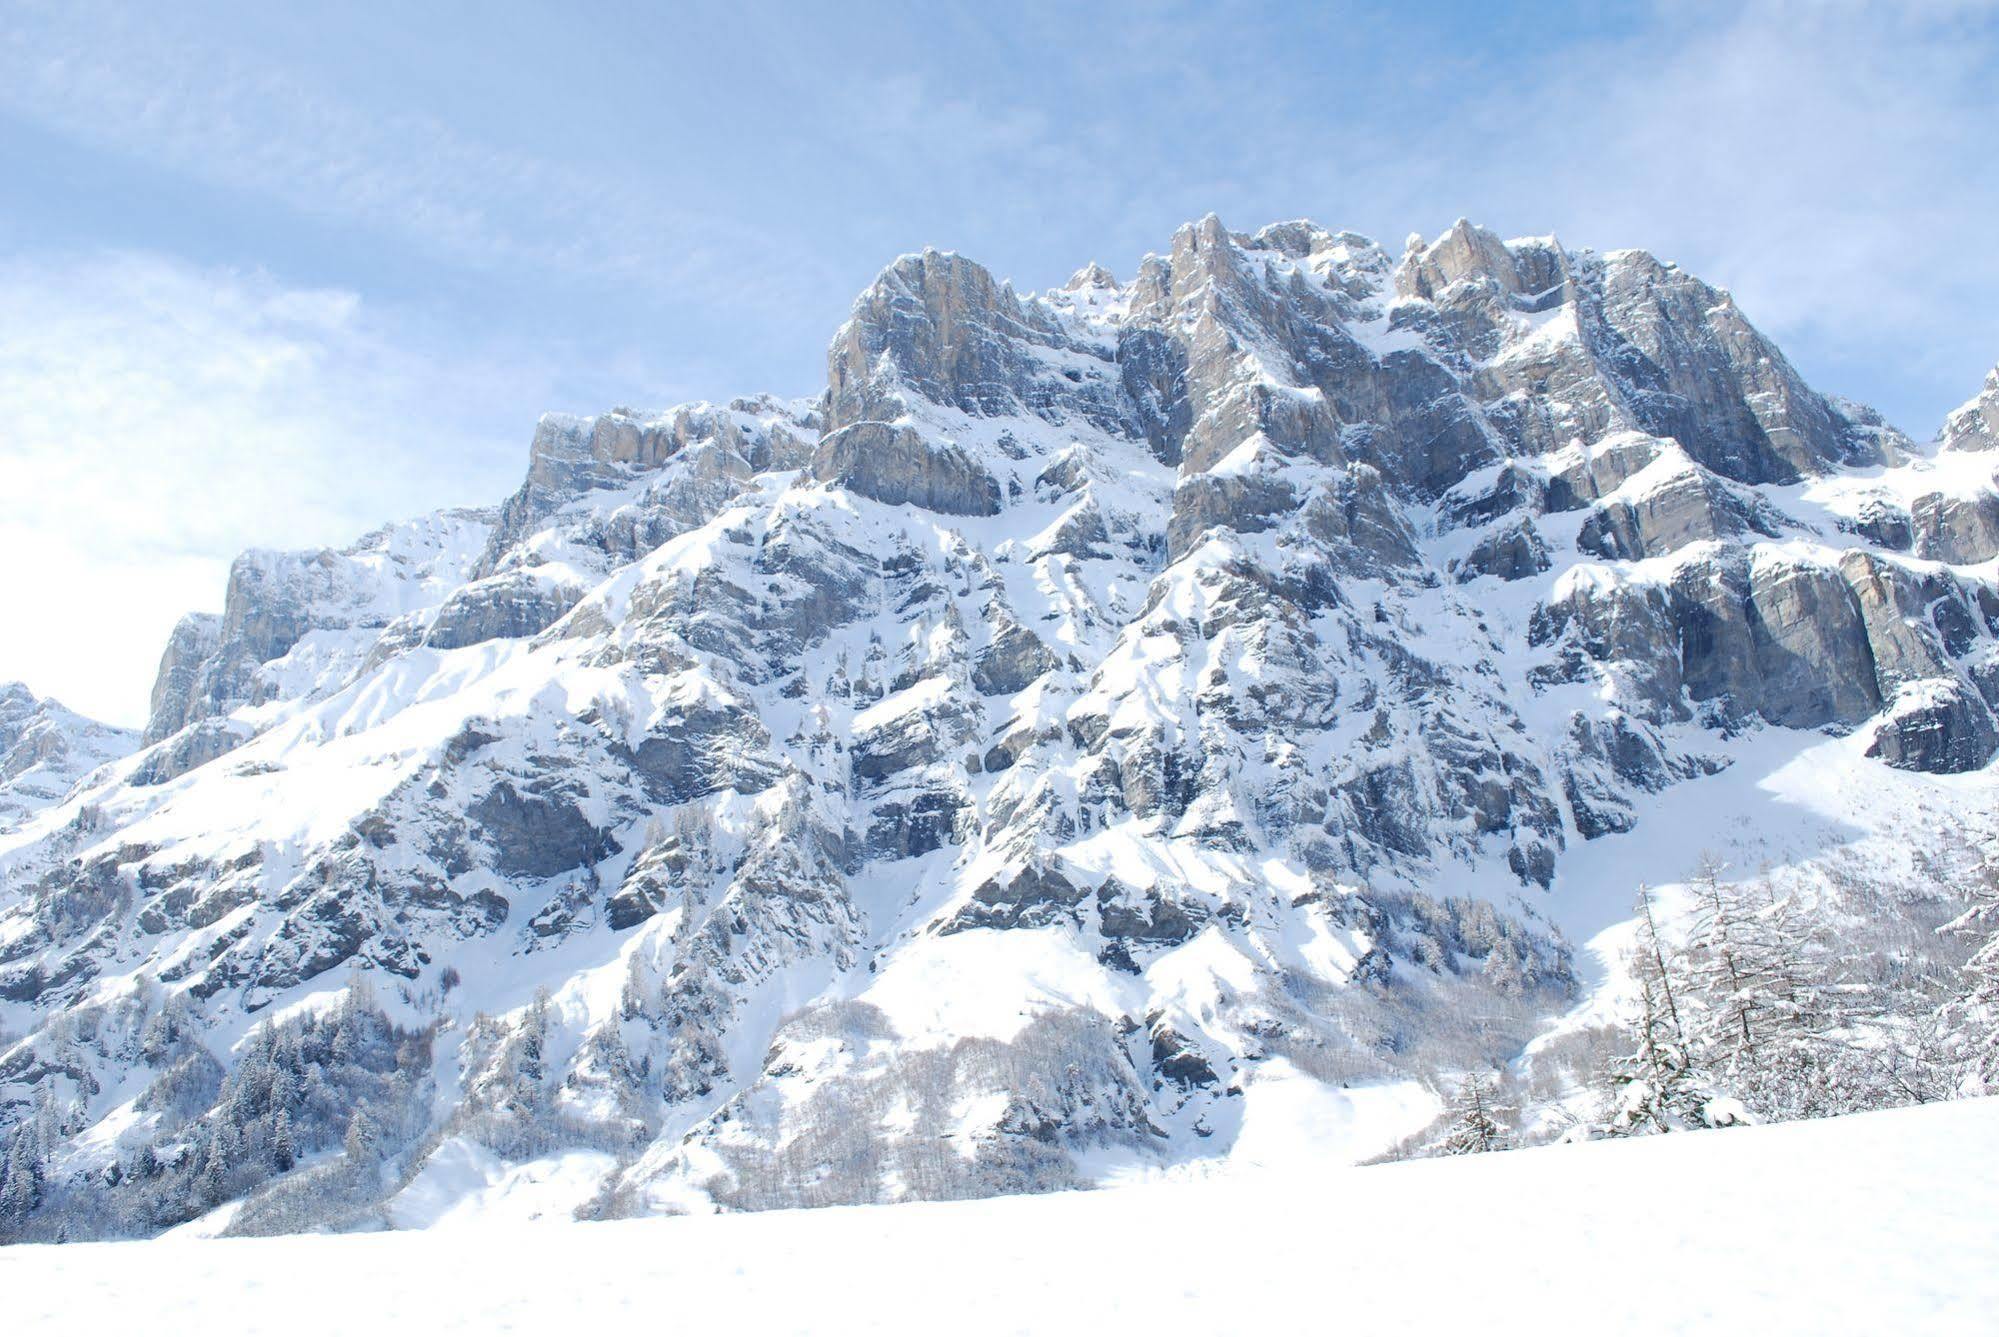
column 1104, row 721
column 1976, row 425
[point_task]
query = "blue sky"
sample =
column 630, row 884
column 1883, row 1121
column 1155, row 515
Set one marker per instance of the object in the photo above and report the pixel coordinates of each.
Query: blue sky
column 272, row 276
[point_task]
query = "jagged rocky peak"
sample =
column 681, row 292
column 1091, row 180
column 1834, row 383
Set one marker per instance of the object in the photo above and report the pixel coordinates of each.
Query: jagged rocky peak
column 1092, row 275
column 1975, row 426
column 586, row 462
column 1307, row 342
column 1465, row 253
column 937, row 334
column 45, row 749
column 573, row 455
column 936, row 325
column 294, row 623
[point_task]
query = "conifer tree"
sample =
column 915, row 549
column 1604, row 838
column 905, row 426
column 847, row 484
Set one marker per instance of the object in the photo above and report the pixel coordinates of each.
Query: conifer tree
column 21, row 1178
column 1655, row 1088
column 363, row 1141
column 1475, row 1117
column 210, row 1182
column 284, row 1154
column 1724, row 966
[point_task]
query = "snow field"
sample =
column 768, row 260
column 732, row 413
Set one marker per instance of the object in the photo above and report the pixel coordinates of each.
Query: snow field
column 1875, row 1223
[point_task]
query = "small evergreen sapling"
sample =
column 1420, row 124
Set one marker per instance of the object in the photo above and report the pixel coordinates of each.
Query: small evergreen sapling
column 1475, row 1119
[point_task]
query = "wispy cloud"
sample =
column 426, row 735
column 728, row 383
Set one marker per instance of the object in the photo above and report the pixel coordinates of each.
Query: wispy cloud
column 127, row 79
column 154, row 419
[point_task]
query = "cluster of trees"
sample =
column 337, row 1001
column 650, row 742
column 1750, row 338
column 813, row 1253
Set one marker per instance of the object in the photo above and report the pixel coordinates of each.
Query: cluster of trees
column 1761, row 1013
column 1753, row 1007
column 888, row 1128
column 524, row 1101
column 345, row 1080
column 23, row 1164
column 1969, row 1026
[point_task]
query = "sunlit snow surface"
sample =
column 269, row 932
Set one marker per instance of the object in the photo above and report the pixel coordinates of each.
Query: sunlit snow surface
column 1881, row 1223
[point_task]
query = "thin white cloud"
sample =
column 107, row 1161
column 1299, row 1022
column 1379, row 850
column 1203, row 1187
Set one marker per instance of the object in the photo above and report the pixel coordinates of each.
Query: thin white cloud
column 129, row 80
column 155, row 419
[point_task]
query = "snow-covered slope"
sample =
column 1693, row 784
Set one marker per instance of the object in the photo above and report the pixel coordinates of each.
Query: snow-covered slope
column 1104, row 728
column 1870, row 1223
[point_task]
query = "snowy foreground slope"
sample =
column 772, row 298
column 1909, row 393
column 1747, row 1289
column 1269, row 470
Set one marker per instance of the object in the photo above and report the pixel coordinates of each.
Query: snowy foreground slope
column 1878, row 1223
column 1101, row 723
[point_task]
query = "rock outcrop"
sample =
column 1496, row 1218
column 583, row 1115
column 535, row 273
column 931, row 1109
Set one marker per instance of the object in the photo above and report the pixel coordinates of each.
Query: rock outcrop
column 1975, row 426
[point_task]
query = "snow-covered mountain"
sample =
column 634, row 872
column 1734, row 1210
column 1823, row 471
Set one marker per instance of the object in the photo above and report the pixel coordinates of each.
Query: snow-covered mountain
column 1112, row 729
column 45, row 749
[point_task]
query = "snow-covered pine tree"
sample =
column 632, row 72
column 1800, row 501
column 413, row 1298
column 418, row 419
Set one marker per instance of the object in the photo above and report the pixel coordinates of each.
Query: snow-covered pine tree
column 363, row 1140
column 1655, row 1089
column 1760, row 1010
column 530, row 1075
column 284, row 1151
column 20, row 1178
column 1475, row 1116
column 1808, row 1065
column 210, row 1186
column 1725, row 969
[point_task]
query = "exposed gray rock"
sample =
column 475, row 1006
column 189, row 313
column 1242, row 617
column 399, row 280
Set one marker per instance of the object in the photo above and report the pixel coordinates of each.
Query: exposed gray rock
column 1939, row 727
column 898, row 466
column 1956, row 529
column 912, row 823
column 1012, row 662
column 1206, row 502
column 1465, row 254
column 196, row 745
column 1510, row 552
column 1635, row 633
column 1903, row 645
column 1701, row 374
column 1810, row 662
column 1356, row 515
column 194, row 641
column 538, row 831
column 625, row 482
column 1030, row 897
column 939, row 327
column 1689, row 506
column 695, row 751
column 1588, row 473
column 500, row 607
column 1883, row 524
column 1975, row 426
